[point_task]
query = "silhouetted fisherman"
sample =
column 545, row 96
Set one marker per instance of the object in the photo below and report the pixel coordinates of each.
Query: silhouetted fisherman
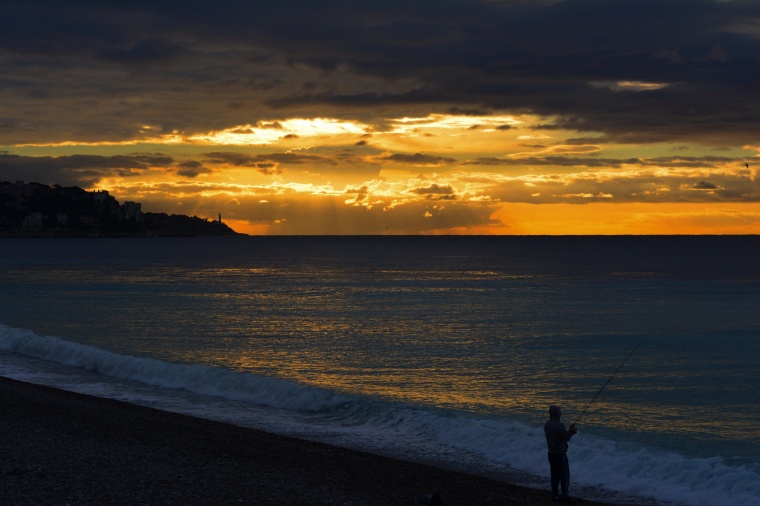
column 557, row 437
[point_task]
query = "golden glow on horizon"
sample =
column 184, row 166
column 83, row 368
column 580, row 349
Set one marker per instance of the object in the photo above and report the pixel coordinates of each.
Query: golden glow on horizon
column 618, row 219
column 630, row 219
column 438, row 174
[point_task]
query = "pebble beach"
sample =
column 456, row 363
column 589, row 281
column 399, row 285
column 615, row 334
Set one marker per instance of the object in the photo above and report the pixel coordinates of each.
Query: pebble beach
column 59, row 447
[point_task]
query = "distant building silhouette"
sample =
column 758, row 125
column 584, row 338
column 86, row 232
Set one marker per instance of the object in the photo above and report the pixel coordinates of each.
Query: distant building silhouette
column 132, row 211
column 33, row 220
column 39, row 210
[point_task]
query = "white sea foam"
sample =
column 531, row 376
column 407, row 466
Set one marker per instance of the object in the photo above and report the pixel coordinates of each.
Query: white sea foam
column 198, row 379
column 605, row 464
column 487, row 444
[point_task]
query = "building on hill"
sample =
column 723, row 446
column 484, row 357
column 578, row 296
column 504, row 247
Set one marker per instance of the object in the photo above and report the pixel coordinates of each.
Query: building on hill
column 132, row 211
column 34, row 209
column 100, row 196
column 33, row 220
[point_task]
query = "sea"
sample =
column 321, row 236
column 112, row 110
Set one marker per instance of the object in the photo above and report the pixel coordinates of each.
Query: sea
column 446, row 350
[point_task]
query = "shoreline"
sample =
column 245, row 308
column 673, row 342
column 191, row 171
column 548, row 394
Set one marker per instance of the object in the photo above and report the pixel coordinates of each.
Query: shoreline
column 63, row 447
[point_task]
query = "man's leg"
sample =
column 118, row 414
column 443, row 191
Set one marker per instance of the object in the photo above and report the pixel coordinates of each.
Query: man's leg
column 565, row 476
column 555, row 466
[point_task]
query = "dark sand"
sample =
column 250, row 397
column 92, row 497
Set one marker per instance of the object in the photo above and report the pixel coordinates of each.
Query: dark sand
column 59, row 447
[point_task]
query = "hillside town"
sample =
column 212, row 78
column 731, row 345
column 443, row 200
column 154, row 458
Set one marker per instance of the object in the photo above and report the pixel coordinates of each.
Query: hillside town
column 39, row 210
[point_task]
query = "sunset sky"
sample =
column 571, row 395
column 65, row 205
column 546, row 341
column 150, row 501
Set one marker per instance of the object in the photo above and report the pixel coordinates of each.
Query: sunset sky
column 394, row 117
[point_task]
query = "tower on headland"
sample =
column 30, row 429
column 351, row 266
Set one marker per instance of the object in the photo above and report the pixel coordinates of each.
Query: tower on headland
column 220, row 217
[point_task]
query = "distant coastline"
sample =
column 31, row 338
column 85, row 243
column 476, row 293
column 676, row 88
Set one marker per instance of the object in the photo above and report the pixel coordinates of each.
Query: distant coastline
column 39, row 210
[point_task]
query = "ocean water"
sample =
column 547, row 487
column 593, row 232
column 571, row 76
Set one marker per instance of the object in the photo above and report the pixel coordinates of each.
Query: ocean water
column 445, row 350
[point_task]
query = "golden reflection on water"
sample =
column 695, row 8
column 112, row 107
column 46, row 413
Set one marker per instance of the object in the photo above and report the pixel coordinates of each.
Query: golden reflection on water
column 453, row 383
column 422, row 381
column 355, row 338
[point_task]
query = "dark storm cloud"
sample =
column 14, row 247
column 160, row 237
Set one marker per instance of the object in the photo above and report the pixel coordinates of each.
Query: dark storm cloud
column 77, row 170
column 145, row 51
column 419, row 159
column 422, row 95
column 267, row 164
column 705, row 185
column 68, row 67
column 328, row 159
column 191, row 168
column 244, row 160
column 436, row 192
column 76, row 162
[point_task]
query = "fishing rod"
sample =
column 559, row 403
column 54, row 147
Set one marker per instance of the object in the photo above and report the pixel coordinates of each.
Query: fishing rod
column 608, row 382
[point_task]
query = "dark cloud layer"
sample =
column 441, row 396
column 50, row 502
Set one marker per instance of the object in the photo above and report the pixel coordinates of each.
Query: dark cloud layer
column 419, row 159
column 87, row 70
column 77, row 170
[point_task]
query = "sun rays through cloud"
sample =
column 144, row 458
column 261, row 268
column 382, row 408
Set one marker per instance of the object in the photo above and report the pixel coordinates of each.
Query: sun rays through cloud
column 291, row 126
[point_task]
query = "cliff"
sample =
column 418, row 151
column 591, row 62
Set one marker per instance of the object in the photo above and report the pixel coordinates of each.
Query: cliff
column 38, row 210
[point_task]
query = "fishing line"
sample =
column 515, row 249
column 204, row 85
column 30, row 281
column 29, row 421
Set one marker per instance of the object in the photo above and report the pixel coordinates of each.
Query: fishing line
column 608, row 382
